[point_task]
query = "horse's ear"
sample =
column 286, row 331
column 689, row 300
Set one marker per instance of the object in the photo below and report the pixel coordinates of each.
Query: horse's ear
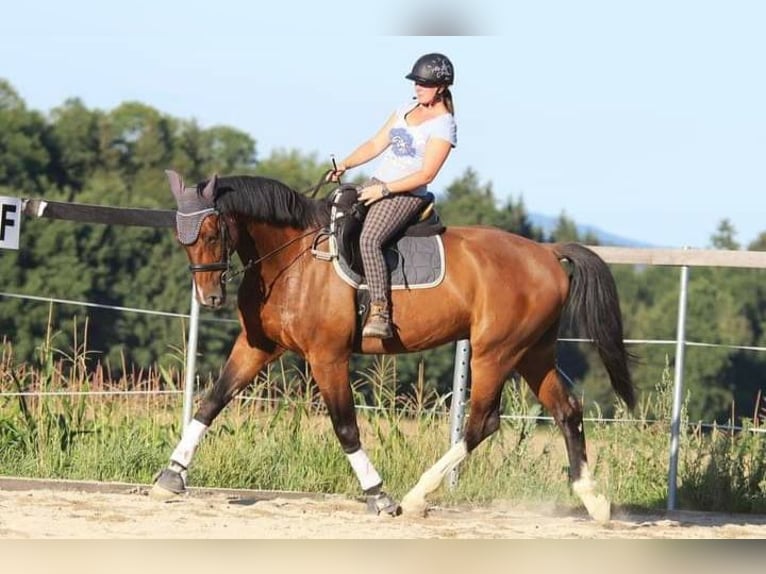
column 209, row 191
column 176, row 183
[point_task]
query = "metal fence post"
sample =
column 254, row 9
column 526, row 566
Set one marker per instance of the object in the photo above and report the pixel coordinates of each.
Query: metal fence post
column 678, row 386
column 461, row 380
column 191, row 359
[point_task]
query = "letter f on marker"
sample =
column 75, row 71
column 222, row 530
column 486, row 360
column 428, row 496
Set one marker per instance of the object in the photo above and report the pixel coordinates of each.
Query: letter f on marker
column 5, row 219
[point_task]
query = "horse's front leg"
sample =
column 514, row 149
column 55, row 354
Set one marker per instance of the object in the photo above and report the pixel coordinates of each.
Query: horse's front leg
column 241, row 367
column 333, row 383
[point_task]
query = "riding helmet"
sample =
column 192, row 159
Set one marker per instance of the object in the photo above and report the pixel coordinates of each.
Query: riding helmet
column 432, row 70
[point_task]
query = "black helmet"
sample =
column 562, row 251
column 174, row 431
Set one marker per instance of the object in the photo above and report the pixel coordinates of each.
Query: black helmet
column 432, row 70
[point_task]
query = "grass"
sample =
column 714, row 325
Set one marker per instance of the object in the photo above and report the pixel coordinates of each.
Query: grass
column 277, row 436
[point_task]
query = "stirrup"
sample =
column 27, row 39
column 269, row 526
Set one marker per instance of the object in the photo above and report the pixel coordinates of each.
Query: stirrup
column 378, row 329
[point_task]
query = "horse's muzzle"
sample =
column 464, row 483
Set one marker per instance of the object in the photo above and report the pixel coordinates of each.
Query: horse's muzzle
column 214, row 301
column 212, row 298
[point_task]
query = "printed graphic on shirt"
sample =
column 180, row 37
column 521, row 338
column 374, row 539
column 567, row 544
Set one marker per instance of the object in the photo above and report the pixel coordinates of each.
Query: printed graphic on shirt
column 401, row 142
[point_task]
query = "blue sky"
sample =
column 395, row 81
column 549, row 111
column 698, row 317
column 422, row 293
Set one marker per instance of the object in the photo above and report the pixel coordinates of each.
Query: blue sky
column 645, row 119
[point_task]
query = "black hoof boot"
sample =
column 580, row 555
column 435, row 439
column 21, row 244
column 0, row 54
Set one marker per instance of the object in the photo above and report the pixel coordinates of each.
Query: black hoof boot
column 169, row 484
column 381, row 502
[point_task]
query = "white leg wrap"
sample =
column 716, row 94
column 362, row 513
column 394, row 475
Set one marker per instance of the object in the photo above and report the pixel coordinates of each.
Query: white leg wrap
column 184, row 452
column 365, row 472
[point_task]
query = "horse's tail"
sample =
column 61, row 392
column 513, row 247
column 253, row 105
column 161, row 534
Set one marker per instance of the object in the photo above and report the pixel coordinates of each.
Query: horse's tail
column 593, row 302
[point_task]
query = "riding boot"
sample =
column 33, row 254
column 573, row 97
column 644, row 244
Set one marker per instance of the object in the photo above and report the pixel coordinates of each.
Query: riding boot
column 378, row 324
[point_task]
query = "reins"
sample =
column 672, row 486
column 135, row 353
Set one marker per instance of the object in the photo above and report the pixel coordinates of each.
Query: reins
column 322, row 182
column 227, row 277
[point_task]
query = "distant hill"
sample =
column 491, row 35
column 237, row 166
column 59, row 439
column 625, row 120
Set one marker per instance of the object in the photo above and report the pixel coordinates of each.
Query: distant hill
column 548, row 223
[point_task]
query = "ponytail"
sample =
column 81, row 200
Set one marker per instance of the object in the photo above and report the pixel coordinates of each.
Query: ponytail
column 446, row 97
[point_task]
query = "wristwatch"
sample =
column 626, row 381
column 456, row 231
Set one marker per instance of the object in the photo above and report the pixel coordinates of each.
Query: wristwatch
column 384, row 191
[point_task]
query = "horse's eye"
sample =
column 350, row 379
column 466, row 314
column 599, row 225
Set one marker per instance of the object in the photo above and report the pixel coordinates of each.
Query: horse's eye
column 210, row 239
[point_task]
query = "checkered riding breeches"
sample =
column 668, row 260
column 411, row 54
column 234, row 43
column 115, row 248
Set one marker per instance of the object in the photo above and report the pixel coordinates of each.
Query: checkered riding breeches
column 385, row 218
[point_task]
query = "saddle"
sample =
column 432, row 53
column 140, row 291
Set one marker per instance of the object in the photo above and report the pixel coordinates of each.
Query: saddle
column 348, row 216
column 415, row 257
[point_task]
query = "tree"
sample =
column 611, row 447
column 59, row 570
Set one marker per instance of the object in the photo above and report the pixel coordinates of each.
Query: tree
column 24, row 156
column 229, row 150
column 467, row 202
column 565, row 230
column 759, row 243
column 74, row 139
column 724, row 237
column 137, row 138
column 513, row 217
column 298, row 170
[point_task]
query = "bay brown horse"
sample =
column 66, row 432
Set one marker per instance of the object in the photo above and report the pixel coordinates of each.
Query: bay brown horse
column 504, row 293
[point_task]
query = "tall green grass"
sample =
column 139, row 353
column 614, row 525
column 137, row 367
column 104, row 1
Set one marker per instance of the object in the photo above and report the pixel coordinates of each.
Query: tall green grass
column 277, row 436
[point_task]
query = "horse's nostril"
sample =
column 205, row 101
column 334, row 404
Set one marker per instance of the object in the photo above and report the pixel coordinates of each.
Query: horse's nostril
column 214, row 300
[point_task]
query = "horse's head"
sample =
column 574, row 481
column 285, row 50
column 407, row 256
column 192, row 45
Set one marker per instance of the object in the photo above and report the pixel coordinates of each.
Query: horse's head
column 202, row 230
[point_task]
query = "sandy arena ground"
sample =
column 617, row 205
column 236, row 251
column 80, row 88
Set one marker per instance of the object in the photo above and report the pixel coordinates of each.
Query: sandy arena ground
column 40, row 510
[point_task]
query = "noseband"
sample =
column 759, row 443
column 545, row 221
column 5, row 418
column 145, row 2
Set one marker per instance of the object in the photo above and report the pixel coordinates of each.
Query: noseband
column 223, row 265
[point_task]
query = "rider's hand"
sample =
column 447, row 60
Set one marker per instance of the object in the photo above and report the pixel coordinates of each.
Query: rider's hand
column 336, row 173
column 369, row 194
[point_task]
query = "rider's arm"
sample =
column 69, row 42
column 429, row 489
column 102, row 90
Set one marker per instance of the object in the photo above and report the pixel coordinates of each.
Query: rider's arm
column 370, row 149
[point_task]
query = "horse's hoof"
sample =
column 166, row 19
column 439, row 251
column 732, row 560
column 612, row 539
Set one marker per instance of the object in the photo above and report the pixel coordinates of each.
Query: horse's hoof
column 383, row 503
column 168, row 485
column 415, row 506
column 597, row 505
column 599, row 508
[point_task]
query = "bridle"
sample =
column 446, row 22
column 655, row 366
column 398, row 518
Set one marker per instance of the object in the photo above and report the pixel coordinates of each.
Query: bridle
column 224, row 264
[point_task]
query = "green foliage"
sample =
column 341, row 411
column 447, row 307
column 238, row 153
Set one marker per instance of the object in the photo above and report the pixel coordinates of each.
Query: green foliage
column 566, row 231
column 301, row 172
column 111, row 158
column 75, row 142
column 724, row 237
column 23, row 153
column 759, row 243
column 724, row 307
column 725, row 470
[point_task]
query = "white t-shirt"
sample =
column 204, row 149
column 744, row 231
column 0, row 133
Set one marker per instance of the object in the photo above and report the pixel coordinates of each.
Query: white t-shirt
column 407, row 146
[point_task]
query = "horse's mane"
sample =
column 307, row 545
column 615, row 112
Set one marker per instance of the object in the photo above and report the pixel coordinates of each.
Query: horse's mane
column 269, row 201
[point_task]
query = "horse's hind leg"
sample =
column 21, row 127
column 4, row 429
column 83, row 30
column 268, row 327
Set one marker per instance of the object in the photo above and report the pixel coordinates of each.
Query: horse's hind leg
column 487, row 377
column 241, row 368
column 332, row 380
column 539, row 370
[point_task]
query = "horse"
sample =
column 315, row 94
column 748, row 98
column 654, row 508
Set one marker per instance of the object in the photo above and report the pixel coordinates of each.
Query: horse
column 504, row 293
